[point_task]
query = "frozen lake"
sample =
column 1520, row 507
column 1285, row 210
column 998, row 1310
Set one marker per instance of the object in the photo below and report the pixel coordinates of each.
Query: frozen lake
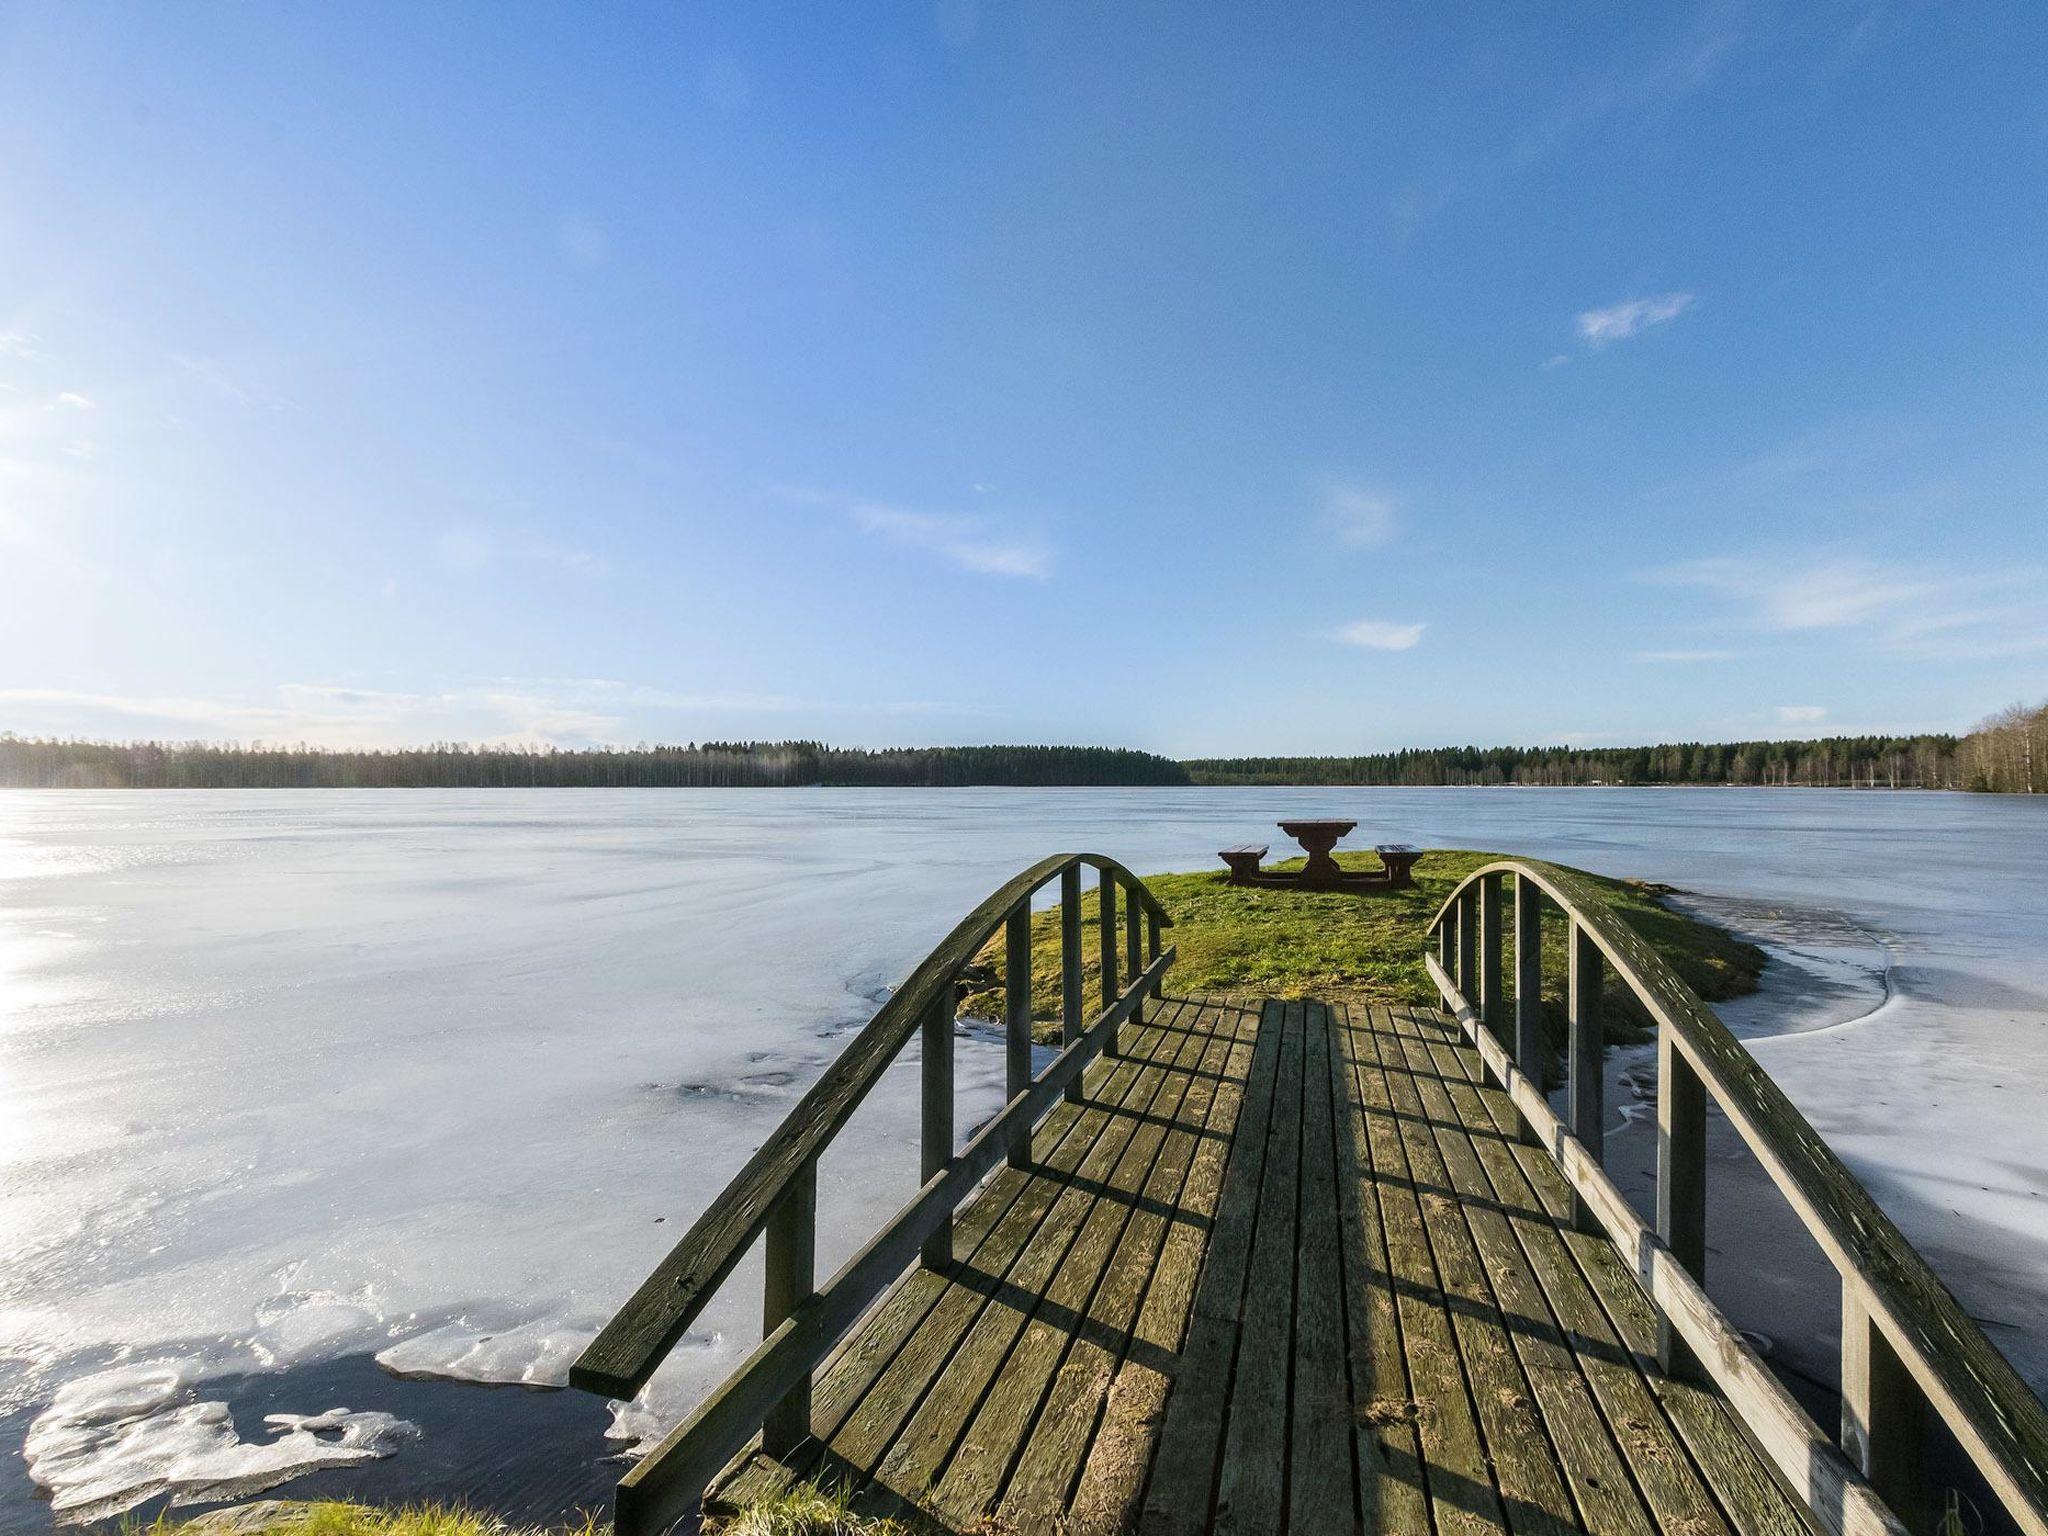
column 291, row 1079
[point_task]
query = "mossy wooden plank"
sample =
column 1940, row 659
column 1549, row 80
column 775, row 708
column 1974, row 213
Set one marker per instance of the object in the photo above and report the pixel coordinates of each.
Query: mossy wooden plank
column 1593, row 1464
column 1113, row 1478
column 1178, row 1492
column 1250, row 1490
column 1532, row 1489
column 1053, row 1311
column 1391, row 1476
column 858, row 1442
column 988, row 1368
column 1726, row 1465
column 1037, row 1493
column 1462, row 1495
column 1320, row 1481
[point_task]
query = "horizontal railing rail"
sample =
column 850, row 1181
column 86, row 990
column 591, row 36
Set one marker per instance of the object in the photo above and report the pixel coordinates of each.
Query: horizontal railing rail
column 775, row 1194
column 1907, row 1344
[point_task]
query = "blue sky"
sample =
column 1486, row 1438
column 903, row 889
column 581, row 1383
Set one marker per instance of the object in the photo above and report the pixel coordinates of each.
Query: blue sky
column 1313, row 378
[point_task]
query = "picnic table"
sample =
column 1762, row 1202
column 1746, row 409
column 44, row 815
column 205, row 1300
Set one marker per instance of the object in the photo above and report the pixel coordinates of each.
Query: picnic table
column 1318, row 836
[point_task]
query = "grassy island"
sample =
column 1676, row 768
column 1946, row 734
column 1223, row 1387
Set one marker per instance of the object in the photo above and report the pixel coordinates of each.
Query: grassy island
column 1358, row 946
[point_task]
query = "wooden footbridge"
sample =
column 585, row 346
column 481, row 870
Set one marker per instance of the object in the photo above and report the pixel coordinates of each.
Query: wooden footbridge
column 1259, row 1265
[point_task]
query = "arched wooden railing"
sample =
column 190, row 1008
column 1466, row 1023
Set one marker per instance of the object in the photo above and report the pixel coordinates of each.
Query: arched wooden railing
column 776, row 1194
column 1907, row 1345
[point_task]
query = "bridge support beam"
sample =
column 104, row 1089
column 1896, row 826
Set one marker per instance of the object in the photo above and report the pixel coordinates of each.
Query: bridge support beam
column 1884, row 1416
column 1017, row 1023
column 1531, row 1049
column 1490, row 1001
column 936, row 1144
column 1585, row 1069
column 791, row 1276
column 1070, row 965
column 1681, row 1183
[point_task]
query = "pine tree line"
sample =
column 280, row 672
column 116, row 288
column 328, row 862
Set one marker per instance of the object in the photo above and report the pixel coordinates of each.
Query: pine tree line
column 1877, row 762
column 40, row 763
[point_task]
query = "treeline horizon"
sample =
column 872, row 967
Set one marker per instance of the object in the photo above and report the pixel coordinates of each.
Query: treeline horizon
column 2007, row 752
column 53, row 763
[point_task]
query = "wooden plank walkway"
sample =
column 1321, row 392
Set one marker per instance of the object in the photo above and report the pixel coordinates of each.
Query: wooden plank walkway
column 1283, row 1267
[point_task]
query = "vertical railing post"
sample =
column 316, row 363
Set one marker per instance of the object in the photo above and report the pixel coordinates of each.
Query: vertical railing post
column 1152, row 951
column 1134, row 937
column 1105, row 911
column 1017, row 1021
column 1531, row 1049
column 1681, row 1181
column 1488, row 1002
column 1070, row 965
column 789, row 1279
column 1468, row 944
column 937, row 1141
column 1584, row 1069
column 1447, row 939
column 1883, row 1412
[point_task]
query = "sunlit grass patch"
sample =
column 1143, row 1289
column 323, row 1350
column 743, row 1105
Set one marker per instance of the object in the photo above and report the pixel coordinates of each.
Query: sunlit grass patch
column 1357, row 946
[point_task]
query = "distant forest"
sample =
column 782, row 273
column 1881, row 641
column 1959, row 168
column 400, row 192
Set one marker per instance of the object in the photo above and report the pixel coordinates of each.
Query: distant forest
column 2007, row 752
column 37, row 764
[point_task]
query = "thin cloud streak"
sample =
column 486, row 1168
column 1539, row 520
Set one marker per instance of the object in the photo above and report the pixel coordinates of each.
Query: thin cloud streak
column 1914, row 610
column 1381, row 634
column 1618, row 322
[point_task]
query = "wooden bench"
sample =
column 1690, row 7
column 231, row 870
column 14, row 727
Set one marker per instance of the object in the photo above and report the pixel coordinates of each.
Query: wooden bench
column 1400, row 859
column 1243, row 861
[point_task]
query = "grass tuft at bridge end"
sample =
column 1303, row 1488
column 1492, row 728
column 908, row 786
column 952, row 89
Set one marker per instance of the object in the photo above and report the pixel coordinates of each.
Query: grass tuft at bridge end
column 1357, row 946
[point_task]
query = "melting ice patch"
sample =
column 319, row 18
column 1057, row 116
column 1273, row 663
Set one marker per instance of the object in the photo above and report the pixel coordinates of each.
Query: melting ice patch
column 531, row 1354
column 113, row 1439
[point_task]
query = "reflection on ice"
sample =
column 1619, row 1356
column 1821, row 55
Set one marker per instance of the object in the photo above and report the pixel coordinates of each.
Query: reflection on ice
column 112, row 1440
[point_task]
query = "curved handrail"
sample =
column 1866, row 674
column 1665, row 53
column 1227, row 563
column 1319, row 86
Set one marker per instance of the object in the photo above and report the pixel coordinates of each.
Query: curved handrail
column 1971, row 1384
column 625, row 1353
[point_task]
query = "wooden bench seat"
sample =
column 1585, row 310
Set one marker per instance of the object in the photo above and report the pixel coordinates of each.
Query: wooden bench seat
column 1243, row 861
column 1399, row 859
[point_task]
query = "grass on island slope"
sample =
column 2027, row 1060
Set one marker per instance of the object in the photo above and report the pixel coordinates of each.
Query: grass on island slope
column 1357, row 946
column 803, row 1510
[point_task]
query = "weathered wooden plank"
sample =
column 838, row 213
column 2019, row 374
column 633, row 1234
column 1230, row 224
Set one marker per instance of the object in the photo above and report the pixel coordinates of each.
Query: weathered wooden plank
column 1462, row 1492
column 666, row 1483
column 1250, row 1491
column 1017, row 1022
column 1525, row 1468
column 2001, row 1424
column 1113, row 1478
column 1681, row 1180
column 1027, row 1243
column 1037, row 1493
column 789, row 1274
column 1042, row 1322
column 1391, row 1476
column 1178, row 1492
column 1599, row 1301
column 1587, row 1455
column 625, row 1352
column 1320, row 1491
column 1837, row 1496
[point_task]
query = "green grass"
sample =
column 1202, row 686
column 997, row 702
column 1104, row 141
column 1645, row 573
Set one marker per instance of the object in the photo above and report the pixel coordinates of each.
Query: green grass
column 337, row 1519
column 804, row 1510
column 1360, row 946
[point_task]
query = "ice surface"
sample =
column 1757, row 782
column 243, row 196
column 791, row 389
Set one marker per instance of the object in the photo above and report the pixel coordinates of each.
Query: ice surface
column 440, row 1074
column 113, row 1439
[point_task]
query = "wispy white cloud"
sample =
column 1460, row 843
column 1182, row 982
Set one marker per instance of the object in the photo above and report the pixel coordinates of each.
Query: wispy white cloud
column 1360, row 516
column 1800, row 714
column 1683, row 656
column 1381, row 634
column 1557, row 360
column 976, row 542
column 1918, row 609
column 74, row 400
column 23, row 345
column 1617, row 322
